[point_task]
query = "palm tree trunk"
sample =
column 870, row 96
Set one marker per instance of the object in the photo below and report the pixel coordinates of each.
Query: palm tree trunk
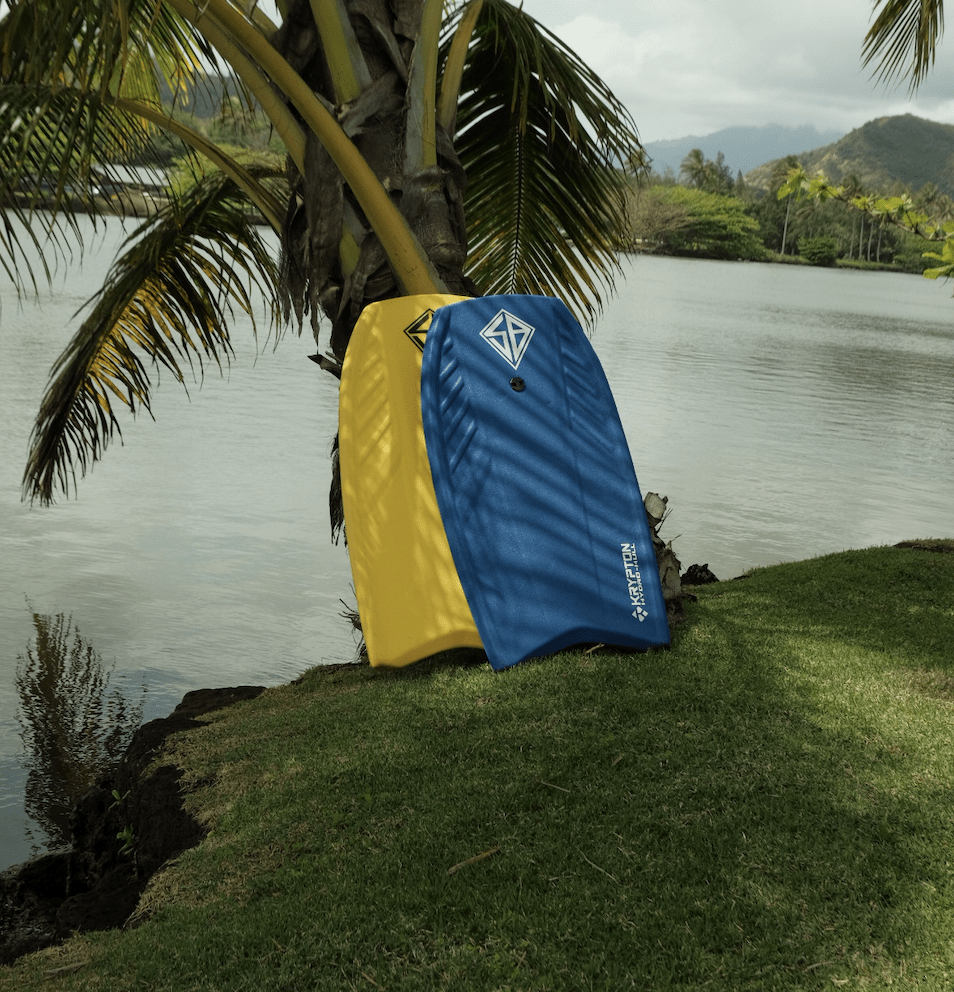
column 393, row 118
column 788, row 210
column 427, row 189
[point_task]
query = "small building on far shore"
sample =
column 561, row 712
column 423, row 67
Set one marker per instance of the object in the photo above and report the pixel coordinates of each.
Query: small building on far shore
column 131, row 189
column 131, row 178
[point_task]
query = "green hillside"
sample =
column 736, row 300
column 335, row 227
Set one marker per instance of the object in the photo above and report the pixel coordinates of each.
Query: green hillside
column 883, row 155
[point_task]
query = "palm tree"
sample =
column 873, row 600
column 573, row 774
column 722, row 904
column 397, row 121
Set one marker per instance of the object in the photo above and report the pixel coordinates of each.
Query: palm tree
column 694, row 168
column 853, row 188
column 471, row 154
column 903, row 40
column 781, row 169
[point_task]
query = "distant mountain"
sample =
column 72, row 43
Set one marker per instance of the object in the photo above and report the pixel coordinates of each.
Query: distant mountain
column 744, row 147
column 882, row 155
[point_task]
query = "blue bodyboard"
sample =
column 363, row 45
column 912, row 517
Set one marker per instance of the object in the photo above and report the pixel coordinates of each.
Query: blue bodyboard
column 535, row 482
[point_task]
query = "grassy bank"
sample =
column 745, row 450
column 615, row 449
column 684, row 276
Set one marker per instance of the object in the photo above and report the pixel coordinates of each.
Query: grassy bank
column 768, row 805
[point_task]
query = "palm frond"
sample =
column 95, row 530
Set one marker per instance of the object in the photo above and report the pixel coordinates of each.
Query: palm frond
column 62, row 65
column 903, row 39
column 166, row 303
column 122, row 47
column 542, row 140
column 49, row 144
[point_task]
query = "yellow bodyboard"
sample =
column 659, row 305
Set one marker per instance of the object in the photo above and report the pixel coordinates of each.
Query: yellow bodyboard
column 409, row 596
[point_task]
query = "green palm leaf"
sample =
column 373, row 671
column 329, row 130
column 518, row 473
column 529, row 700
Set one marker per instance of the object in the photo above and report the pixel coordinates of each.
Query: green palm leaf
column 903, row 38
column 62, row 66
column 46, row 154
column 540, row 137
column 107, row 46
column 167, row 302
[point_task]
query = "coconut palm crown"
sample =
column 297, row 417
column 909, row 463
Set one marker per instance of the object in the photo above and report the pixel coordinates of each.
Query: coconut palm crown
column 431, row 147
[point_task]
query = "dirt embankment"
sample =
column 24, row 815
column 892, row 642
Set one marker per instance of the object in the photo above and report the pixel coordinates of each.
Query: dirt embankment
column 94, row 885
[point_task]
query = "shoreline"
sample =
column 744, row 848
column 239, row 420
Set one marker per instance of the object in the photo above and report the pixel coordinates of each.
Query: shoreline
column 92, row 885
column 774, row 258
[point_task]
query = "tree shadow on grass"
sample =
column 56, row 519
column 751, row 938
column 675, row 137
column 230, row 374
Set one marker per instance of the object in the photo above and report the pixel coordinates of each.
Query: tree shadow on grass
column 819, row 828
column 710, row 816
column 698, row 815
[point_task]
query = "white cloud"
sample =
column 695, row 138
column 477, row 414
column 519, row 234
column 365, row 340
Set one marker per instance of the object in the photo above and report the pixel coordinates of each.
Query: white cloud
column 692, row 67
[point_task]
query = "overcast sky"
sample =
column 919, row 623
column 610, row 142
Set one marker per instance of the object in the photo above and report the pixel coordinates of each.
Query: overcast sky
column 691, row 67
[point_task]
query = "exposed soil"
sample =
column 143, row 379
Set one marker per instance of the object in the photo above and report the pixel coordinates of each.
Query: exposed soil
column 94, row 885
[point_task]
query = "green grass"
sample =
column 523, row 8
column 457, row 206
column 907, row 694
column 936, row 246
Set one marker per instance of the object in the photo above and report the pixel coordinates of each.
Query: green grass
column 768, row 805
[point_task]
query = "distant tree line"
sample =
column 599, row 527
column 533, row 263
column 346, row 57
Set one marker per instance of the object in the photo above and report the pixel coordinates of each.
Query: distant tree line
column 707, row 212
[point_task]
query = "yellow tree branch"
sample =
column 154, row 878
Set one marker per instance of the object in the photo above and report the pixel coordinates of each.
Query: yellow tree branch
column 275, row 109
column 349, row 73
column 284, row 122
column 254, row 13
column 454, row 68
column 421, row 144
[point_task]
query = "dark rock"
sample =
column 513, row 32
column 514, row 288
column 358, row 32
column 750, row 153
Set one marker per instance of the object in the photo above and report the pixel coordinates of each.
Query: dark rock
column 105, row 907
column 95, row 885
column 30, row 895
column 48, row 875
column 698, row 575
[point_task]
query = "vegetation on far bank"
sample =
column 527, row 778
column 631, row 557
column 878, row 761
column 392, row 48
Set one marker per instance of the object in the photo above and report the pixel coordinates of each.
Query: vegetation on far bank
column 765, row 805
column 706, row 212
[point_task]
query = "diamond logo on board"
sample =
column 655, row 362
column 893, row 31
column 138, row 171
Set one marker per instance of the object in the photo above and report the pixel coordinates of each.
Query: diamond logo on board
column 640, row 614
column 417, row 330
column 508, row 336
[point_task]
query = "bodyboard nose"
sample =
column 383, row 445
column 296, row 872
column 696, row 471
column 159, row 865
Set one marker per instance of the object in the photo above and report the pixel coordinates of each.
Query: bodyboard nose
column 535, row 482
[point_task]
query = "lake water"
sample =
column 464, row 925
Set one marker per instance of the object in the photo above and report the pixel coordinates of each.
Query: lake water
column 786, row 412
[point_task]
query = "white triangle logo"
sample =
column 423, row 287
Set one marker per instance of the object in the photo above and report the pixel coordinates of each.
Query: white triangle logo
column 640, row 614
column 508, row 336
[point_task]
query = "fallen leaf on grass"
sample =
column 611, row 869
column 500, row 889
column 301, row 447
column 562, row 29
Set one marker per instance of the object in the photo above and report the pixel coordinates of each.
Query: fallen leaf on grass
column 473, row 860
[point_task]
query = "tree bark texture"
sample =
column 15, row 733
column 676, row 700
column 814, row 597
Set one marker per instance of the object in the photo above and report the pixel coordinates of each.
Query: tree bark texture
column 321, row 281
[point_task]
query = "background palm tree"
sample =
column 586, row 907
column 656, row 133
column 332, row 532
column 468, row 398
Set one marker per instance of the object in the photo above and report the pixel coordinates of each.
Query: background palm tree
column 693, row 168
column 469, row 154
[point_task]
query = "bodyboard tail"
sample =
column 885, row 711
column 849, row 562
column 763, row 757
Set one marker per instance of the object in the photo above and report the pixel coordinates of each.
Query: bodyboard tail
column 535, row 482
column 410, row 599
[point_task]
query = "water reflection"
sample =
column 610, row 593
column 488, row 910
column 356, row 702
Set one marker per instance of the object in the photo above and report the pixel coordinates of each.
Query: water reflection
column 74, row 726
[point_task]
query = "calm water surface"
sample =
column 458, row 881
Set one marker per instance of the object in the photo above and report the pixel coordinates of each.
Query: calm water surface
column 786, row 412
